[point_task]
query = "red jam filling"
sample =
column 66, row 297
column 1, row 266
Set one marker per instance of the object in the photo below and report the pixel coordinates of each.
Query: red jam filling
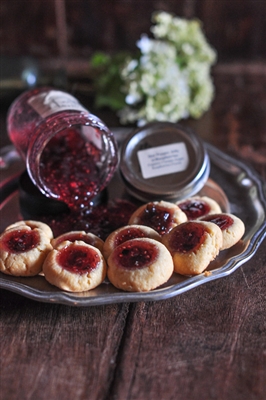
column 194, row 208
column 128, row 234
column 21, row 240
column 136, row 255
column 157, row 217
column 221, row 220
column 187, row 237
column 78, row 259
column 69, row 168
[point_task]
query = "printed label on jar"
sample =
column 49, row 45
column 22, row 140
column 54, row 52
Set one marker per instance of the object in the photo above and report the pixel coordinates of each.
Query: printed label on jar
column 50, row 102
column 163, row 160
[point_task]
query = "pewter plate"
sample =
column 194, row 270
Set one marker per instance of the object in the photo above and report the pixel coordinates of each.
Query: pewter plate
column 236, row 187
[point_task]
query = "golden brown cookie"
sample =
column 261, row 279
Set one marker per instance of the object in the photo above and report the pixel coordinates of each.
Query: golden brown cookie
column 161, row 216
column 75, row 266
column 193, row 245
column 139, row 265
column 23, row 249
column 198, row 206
column 125, row 233
column 33, row 224
column 72, row 236
column 231, row 226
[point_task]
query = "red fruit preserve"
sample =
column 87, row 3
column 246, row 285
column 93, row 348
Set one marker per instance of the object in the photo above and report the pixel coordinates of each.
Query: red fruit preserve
column 157, row 217
column 135, row 254
column 128, row 234
column 70, row 154
column 224, row 221
column 194, row 208
column 78, row 259
column 187, row 237
column 21, row 240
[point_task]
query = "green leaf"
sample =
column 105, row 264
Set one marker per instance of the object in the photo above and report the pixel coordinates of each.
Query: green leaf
column 99, row 59
column 107, row 80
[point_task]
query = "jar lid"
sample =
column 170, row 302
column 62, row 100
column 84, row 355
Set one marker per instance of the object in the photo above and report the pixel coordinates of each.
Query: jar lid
column 164, row 161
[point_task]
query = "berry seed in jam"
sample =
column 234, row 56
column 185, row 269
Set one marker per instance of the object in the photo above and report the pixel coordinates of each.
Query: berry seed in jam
column 78, row 259
column 157, row 217
column 224, row 221
column 194, row 208
column 20, row 241
column 187, row 237
column 136, row 254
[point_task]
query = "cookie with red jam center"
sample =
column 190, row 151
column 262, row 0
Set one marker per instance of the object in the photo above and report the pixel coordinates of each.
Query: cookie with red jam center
column 161, row 216
column 139, row 265
column 125, row 233
column 23, row 248
column 33, row 224
column 231, row 226
column 75, row 266
column 193, row 245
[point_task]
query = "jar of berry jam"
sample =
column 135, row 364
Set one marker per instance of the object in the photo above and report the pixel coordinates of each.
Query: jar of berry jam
column 164, row 161
column 70, row 153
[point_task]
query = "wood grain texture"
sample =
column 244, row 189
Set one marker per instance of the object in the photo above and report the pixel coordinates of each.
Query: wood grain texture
column 53, row 350
column 209, row 343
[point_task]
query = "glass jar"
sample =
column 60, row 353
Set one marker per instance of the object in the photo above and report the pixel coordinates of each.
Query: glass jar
column 164, row 161
column 70, row 154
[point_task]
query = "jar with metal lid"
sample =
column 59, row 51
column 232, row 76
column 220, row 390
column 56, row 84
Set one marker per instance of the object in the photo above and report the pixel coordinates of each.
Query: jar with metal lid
column 70, row 154
column 164, row 161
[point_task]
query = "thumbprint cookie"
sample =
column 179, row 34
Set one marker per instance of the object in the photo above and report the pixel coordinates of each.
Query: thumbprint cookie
column 161, row 216
column 231, row 226
column 139, row 265
column 197, row 207
column 193, row 245
column 88, row 238
column 34, row 224
column 75, row 266
column 125, row 233
column 23, row 248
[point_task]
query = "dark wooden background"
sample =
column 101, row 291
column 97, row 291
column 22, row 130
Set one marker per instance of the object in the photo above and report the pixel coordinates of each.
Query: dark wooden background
column 75, row 28
column 62, row 34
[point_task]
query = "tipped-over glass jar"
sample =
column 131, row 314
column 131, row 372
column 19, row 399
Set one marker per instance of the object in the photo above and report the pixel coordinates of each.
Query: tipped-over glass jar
column 70, row 153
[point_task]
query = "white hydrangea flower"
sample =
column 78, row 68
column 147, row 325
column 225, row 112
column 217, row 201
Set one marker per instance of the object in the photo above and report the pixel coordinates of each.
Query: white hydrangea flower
column 171, row 79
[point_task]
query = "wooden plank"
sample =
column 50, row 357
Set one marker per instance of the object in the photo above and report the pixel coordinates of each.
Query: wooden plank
column 209, row 343
column 54, row 351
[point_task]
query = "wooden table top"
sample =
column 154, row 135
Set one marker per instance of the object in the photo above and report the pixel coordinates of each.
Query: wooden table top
column 207, row 343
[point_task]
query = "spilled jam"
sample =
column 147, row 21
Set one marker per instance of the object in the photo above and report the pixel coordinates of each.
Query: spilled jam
column 21, row 240
column 194, row 208
column 187, row 237
column 136, row 254
column 157, row 217
column 78, row 259
column 222, row 220
column 101, row 220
